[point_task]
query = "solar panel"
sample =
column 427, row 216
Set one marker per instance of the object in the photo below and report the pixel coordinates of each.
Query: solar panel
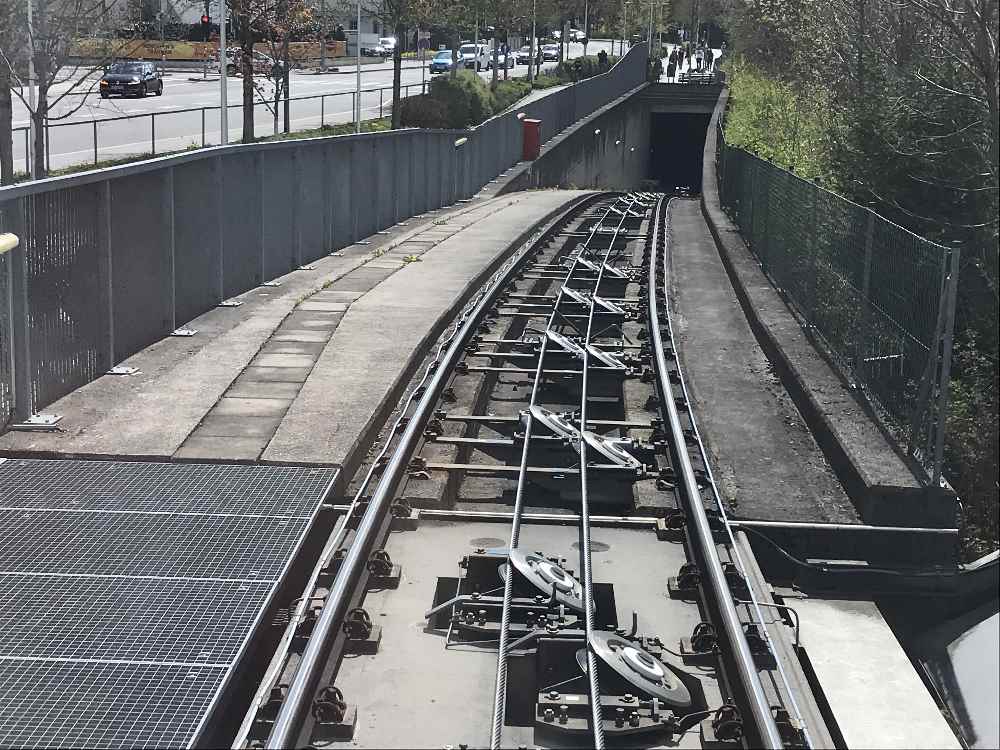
column 129, row 591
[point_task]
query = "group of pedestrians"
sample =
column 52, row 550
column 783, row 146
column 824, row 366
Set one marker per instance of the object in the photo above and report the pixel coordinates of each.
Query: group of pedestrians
column 700, row 58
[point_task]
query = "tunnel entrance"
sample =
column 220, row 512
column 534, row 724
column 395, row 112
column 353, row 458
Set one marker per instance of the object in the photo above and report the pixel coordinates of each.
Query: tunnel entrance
column 677, row 140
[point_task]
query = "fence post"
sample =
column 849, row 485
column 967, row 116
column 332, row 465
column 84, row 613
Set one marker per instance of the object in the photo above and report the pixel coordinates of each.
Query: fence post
column 168, row 217
column 105, row 272
column 296, row 230
column 220, row 192
column 813, row 254
column 863, row 322
column 27, row 151
column 20, row 345
column 322, row 110
column 944, row 382
column 203, row 127
column 152, row 132
column 380, row 103
column 95, row 143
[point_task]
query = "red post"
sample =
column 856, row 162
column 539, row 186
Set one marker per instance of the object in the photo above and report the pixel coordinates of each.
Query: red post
column 532, row 142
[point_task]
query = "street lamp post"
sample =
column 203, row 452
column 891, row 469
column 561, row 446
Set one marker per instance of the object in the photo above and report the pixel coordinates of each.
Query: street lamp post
column 33, row 167
column 586, row 25
column 649, row 34
column 621, row 52
column 531, row 60
column 223, row 64
column 357, row 39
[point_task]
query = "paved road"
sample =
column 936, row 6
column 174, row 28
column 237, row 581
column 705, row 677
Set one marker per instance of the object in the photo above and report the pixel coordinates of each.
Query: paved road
column 73, row 142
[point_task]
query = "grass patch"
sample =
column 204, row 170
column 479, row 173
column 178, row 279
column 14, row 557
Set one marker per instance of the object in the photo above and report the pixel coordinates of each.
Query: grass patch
column 377, row 125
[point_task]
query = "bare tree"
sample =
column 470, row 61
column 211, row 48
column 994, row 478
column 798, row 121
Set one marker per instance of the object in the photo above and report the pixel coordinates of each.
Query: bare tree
column 11, row 41
column 59, row 77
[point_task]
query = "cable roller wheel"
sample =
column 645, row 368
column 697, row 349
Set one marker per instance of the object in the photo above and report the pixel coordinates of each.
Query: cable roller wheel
column 639, row 668
column 544, row 574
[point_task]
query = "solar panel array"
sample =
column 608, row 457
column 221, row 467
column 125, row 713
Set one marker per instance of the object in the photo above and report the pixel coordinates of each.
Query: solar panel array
column 128, row 591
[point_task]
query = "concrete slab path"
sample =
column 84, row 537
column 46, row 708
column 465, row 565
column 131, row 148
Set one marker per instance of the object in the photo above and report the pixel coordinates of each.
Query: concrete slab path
column 319, row 351
column 765, row 459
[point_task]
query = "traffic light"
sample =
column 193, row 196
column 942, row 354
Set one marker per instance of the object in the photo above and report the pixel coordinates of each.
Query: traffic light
column 206, row 27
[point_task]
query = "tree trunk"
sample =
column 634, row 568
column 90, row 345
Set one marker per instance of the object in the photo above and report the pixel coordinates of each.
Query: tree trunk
column 506, row 61
column 454, row 54
column 6, row 129
column 246, row 47
column 39, row 117
column 496, row 59
column 397, row 69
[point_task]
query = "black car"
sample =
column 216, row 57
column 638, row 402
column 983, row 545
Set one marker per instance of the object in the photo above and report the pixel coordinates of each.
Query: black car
column 131, row 79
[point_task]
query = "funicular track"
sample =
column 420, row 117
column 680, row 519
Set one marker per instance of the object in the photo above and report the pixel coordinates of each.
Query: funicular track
column 553, row 409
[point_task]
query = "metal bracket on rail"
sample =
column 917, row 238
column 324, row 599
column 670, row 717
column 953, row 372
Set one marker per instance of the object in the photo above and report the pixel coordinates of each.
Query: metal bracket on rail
column 686, row 584
column 335, row 720
column 703, row 645
column 384, row 573
column 363, row 636
column 724, row 729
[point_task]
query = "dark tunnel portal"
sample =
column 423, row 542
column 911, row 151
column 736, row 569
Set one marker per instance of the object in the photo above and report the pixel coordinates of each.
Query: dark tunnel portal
column 677, row 140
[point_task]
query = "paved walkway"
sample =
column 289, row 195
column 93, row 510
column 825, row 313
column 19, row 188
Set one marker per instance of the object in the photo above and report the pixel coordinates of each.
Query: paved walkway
column 766, row 461
column 297, row 373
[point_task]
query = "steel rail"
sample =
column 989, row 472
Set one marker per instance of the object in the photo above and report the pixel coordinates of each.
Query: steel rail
column 728, row 525
column 596, row 714
column 697, row 520
column 289, row 720
column 500, row 691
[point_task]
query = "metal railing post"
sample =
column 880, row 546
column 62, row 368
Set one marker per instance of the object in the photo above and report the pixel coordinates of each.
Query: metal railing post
column 203, row 127
column 322, row 110
column 105, row 274
column 152, row 123
column 19, row 311
column 380, row 94
column 944, row 383
column 9, row 243
column 95, row 143
column 863, row 319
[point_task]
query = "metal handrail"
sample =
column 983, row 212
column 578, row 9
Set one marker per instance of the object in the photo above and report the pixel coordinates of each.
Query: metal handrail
column 697, row 520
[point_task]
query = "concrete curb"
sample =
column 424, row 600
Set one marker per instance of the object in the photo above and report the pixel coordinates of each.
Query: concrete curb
column 882, row 484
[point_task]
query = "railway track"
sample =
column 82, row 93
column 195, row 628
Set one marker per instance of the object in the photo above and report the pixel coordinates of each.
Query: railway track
column 536, row 554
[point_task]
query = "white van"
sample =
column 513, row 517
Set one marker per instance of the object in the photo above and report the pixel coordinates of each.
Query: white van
column 473, row 57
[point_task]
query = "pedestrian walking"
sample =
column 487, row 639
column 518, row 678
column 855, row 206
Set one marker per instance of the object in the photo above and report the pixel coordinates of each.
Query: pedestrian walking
column 699, row 58
column 709, row 58
column 672, row 64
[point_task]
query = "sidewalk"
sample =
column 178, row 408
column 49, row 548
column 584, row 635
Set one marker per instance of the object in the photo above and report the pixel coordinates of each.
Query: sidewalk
column 299, row 373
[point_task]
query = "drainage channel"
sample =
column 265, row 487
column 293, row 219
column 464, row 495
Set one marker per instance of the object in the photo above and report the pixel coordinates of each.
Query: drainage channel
column 501, row 574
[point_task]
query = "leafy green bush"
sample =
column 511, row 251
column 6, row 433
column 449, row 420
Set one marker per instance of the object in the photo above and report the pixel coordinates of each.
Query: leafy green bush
column 770, row 118
column 546, row 81
column 508, row 92
column 581, row 68
column 423, row 111
column 466, row 98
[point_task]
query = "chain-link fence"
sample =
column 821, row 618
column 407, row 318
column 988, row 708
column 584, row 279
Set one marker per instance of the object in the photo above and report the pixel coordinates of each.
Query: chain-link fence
column 879, row 298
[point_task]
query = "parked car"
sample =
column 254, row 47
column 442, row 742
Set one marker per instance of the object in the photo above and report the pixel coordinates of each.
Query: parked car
column 575, row 35
column 263, row 65
column 386, row 46
column 523, row 55
column 441, row 62
column 473, row 57
column 550, row 52
column 131, row 79
column 503, row 61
